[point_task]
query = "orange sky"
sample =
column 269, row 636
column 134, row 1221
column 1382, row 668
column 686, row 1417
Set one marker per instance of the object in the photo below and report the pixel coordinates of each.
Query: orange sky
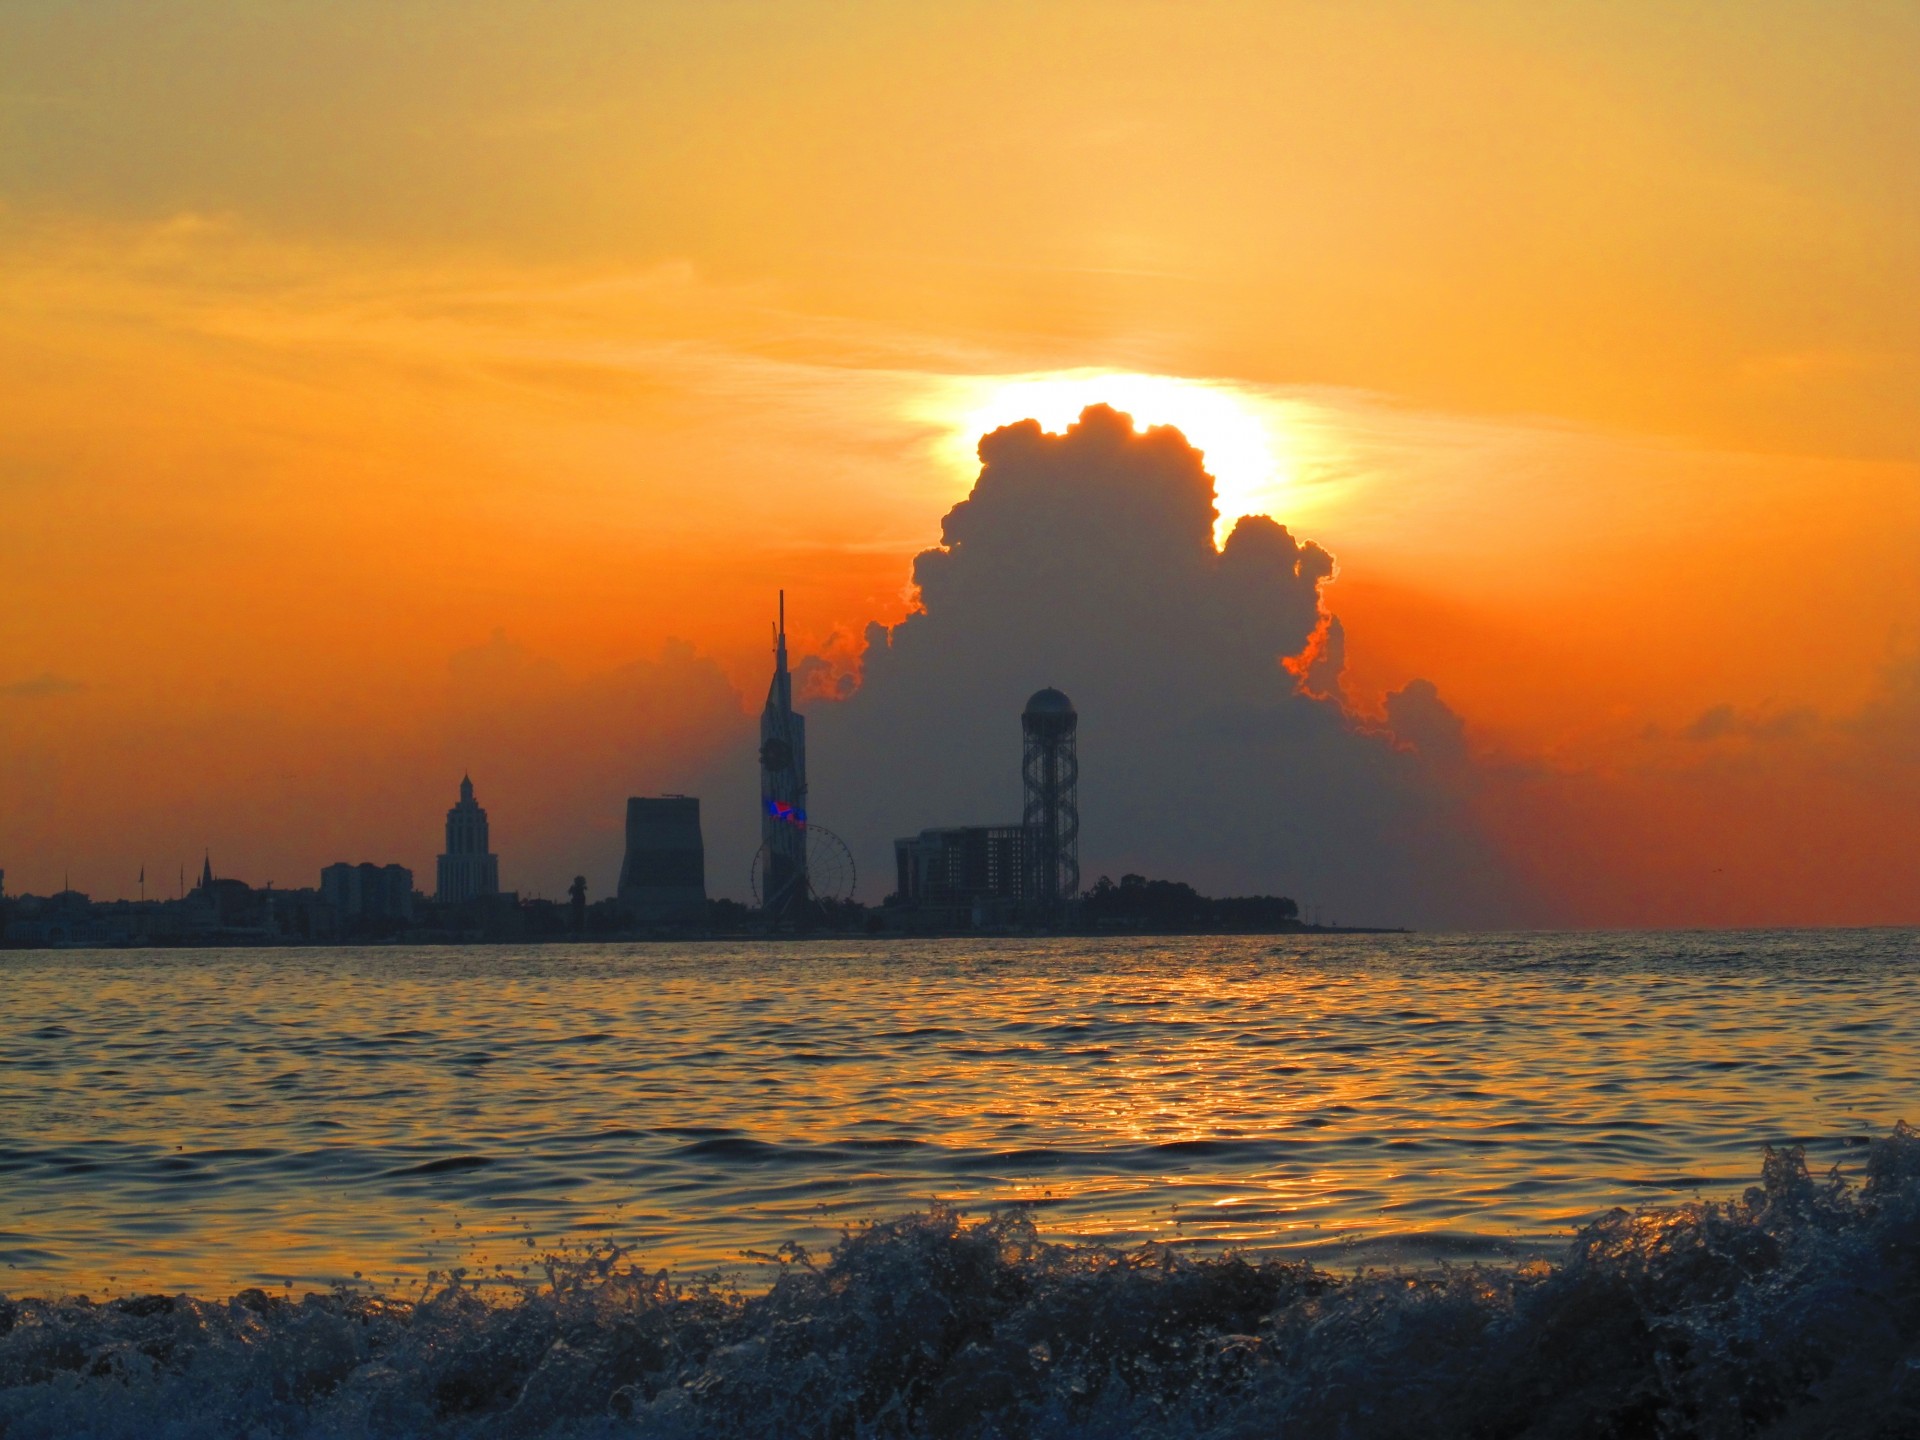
column 337, row 340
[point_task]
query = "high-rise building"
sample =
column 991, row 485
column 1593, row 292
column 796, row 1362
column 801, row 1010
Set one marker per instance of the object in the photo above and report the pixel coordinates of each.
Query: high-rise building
column 783, row 787
column 665, row 870
column 469, row 870
column 1050, row 777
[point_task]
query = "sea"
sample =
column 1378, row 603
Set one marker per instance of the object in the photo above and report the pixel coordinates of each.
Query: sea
column 995, row 1187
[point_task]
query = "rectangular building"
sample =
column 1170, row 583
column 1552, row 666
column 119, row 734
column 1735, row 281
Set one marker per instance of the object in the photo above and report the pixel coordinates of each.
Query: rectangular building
column 961, row 865
column 368, row 892
column 664, row 875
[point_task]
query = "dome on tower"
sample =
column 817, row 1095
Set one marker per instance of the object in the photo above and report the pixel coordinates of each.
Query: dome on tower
column 1049, row 702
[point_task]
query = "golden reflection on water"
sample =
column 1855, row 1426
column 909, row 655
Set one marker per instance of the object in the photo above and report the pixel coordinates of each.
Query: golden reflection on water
column 203, row 1122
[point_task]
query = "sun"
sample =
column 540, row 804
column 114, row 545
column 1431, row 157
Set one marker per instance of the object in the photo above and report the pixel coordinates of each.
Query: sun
column 1246, row 451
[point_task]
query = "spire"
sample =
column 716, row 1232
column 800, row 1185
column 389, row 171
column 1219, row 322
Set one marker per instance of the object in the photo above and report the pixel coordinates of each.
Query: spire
column 782, row 869
column 780, row 691
column 206, row 871
column 466, row 788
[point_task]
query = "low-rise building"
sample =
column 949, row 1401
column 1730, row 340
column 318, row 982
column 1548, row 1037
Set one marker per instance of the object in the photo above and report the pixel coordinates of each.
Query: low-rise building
column 964, row 874
column 368, row 892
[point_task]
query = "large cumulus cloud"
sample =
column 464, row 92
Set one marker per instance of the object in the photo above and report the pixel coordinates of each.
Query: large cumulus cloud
column 1087, row 561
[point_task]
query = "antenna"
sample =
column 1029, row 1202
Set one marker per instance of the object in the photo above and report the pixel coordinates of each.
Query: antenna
column 783, row 614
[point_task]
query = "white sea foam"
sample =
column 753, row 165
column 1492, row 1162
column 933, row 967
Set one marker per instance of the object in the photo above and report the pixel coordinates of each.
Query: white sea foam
column 1792, row 1311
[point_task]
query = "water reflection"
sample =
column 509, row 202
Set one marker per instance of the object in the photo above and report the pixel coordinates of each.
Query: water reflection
column 205, row 1120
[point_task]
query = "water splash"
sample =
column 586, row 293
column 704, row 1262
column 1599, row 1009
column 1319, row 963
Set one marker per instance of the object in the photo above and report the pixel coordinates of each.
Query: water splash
column 1791, row 1311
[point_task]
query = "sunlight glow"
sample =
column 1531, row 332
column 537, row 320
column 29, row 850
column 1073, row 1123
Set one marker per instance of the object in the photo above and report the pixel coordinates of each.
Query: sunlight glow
column 1248, row 451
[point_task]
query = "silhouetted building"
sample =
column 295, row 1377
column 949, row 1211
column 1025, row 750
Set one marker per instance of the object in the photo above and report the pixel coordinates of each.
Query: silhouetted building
column 63, row 918
column 307, row 914
column 962, row 865
column 368, row 891
column 665, row 869
column 979, row 874
column 1050, row 778
column 783, row 788
column 469, row 870
column 217, row 911
column 228, row 903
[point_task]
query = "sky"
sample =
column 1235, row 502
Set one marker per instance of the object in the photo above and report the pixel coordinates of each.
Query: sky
column 392, row 391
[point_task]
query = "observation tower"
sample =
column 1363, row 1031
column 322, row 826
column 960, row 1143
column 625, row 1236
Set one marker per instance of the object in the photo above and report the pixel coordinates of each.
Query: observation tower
column 1050, row 776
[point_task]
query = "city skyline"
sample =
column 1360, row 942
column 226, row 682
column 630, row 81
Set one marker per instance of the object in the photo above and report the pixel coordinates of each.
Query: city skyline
column 1011, row 718
column 1302, row 650
column 445, row 417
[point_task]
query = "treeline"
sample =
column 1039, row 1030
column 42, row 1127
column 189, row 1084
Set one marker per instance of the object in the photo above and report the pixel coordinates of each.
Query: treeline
column 1174, row 905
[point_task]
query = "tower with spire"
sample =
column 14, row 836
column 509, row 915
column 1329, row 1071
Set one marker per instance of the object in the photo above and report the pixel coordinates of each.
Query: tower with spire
column 469, row 870
column 226, row 901
column 783, row 784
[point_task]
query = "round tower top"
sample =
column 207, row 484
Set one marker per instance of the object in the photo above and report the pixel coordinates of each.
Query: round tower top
column 1049, row 702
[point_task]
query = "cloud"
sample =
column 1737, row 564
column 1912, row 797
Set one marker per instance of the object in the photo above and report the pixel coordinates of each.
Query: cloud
column 1319, row 667
column 1086, row 561
column 1887, row 728
column 1419, row 719
column 41, row 686
column 1748, row 815
column 1722, row 722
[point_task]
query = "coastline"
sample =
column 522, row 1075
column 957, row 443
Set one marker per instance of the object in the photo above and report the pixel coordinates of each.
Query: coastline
column 443, row 939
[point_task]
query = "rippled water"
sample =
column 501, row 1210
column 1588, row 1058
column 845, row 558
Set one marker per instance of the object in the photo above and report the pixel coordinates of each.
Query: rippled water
column 201, row 1121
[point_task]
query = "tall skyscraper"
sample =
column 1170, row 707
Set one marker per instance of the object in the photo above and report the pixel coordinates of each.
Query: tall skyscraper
column 469, row 870
column 783, row 786
column 1050, row 776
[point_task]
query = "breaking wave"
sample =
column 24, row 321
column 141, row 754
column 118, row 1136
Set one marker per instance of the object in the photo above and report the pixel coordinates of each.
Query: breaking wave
column 1791, row 1311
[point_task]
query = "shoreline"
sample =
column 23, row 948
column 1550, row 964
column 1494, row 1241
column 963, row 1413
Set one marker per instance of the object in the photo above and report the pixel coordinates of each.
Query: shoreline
column 442, row 940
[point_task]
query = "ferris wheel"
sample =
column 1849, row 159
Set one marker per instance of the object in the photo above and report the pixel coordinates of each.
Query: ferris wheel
column 827, row 877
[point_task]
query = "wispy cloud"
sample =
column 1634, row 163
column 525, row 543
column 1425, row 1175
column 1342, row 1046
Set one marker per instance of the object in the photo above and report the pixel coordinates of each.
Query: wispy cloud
column 41, row 686
column 1725, row 721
